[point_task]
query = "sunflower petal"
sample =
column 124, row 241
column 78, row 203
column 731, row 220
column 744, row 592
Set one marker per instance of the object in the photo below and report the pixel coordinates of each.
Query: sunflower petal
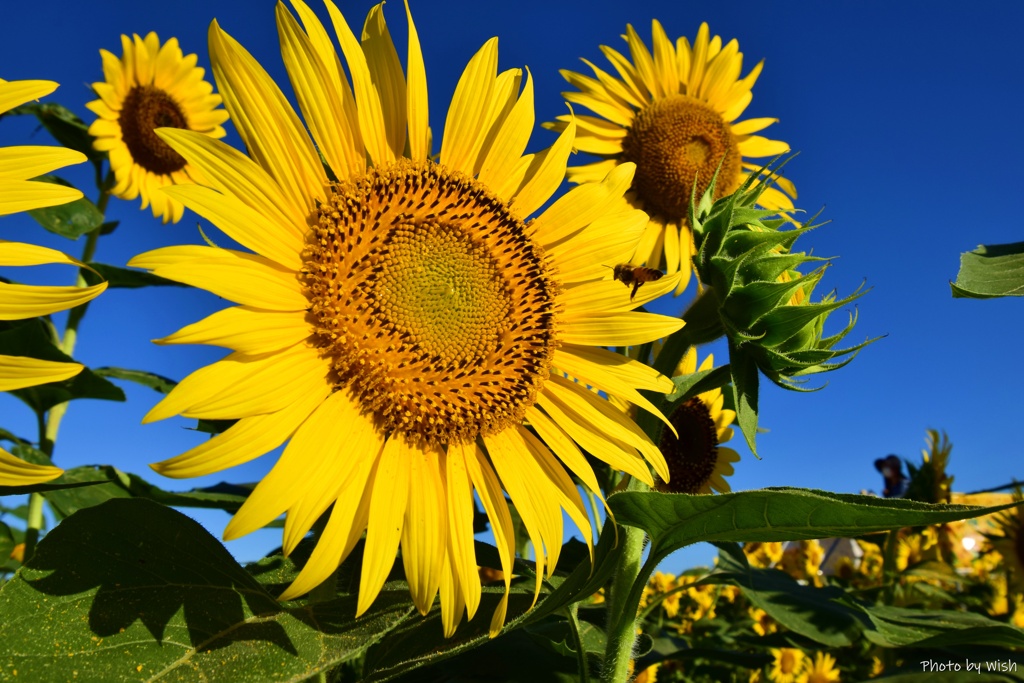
column 18, row 372
column 418, row 108
column 464, row 128
column 18, row 302
column 386, row 71
column 17, row 472
column 424, row 534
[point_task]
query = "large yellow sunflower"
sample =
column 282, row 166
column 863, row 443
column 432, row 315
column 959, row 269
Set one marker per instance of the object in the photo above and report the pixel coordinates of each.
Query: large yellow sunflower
column 405, row 326
column 674, row 114
column 151, row 86
column 18, row 193
column 697, row 460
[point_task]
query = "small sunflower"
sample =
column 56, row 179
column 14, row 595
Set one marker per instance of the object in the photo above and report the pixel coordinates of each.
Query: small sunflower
column 821, row 670
column 152, row 86
column 786, row 665
column 405, row 326
column 17, row 302
column 674, row 114
column 697, row 460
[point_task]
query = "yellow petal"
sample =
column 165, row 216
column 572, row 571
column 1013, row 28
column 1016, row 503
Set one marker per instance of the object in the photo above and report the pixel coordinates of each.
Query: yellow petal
column 464, row 127
column 18, row 302
column 246, row 279
column 352, row 442
column 369, row 109
column 17, row 472
column 452, row 600
column 758, row 146
column 618, row 329
column 511, row 139
column 417, row 104
column 240, row 387
column 606, row 243
column 627, row 72
column 492, row 497
column 752, row 125
column 18, row 372
column 644, row 63
column 25, row 195
column 546, row 174
column 582, row 205
column 664, row 60
column 246, row 330
column 245, row 440
column 461, row 551
column 425, row 532
column 268, row 125
column 22, row 163
column 611, row 296
column 388, row 503
column 386, row 71
column 15, row 93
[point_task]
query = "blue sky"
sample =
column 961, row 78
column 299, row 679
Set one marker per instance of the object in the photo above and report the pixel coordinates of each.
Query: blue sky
column 903, row 114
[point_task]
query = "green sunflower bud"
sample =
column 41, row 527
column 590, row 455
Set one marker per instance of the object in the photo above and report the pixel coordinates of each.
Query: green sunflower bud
column 763, row 298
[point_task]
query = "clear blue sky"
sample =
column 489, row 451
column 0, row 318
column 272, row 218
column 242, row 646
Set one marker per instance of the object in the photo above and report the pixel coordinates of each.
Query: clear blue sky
column 904, row 116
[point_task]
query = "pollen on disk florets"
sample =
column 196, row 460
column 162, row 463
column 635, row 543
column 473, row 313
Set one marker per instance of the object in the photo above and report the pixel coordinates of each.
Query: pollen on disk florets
column 692, row 457
column 674, row 142
column 433, row 305
column 146, row 108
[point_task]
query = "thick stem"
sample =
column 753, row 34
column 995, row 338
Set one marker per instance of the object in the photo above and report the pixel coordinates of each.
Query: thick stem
column 624, row 600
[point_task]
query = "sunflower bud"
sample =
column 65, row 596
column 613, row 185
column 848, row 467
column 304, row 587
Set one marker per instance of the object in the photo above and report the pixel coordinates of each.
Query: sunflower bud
column 762, row 296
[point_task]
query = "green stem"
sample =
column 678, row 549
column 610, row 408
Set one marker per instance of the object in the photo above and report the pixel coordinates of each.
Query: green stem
column 581, row 655
column 624, row 599
column 50, row 423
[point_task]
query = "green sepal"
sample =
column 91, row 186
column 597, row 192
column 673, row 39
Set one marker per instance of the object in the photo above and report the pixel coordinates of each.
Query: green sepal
column 125, row 278
column 743, row 391
column 71, row 220
column 992, row 270
column 30, row 339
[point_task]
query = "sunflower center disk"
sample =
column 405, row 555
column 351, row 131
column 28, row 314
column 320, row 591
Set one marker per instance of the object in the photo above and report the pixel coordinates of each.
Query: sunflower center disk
column 692, row 457
column 144, row 109
column 431, row 302
column 676, row 142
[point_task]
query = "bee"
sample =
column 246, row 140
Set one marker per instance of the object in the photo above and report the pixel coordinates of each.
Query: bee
column 635, row 275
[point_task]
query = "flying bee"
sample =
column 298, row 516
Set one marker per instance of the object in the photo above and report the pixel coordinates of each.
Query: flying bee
column 635, row 275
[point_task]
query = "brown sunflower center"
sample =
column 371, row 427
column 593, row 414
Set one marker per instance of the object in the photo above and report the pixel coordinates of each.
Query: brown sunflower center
column 432, row 303
column 692, row 457
column 676, row 142
column 145, row 109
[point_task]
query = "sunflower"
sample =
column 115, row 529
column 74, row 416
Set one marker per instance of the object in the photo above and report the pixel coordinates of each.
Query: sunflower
column 18, row 193
column 821, row 670
column 697, row 461
column 674, row 115
column 151, row 86
column 786, row 664
column 415, row 337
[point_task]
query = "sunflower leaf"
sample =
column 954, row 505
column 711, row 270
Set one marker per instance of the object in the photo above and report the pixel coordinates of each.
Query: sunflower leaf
column 106, row 482
column 66, row 128
column 674, row 521
column 31, row 339
column 991, row 271
column 71, row 220
column 139, row 589
column 744, row 388
column 157, row 383
column 125, row 278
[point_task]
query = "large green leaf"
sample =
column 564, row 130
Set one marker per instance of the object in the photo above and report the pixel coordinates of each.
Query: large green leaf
column 134, row 591
column 990, row 271
column 7, row 542
column 899, row 626
column 675, row 520
column 816, row 613
column 105, row 482
column 157, row 383
column 71, row 220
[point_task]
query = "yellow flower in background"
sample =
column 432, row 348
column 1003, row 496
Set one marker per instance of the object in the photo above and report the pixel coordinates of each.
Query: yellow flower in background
column 763, row 624
column 763, row 554
column 17, row 301
column 674, row 114
column 1008, row 541
column 821, row 670
column 786, row 665
column 697, row 460
column 404, row 325
column 151, row 86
